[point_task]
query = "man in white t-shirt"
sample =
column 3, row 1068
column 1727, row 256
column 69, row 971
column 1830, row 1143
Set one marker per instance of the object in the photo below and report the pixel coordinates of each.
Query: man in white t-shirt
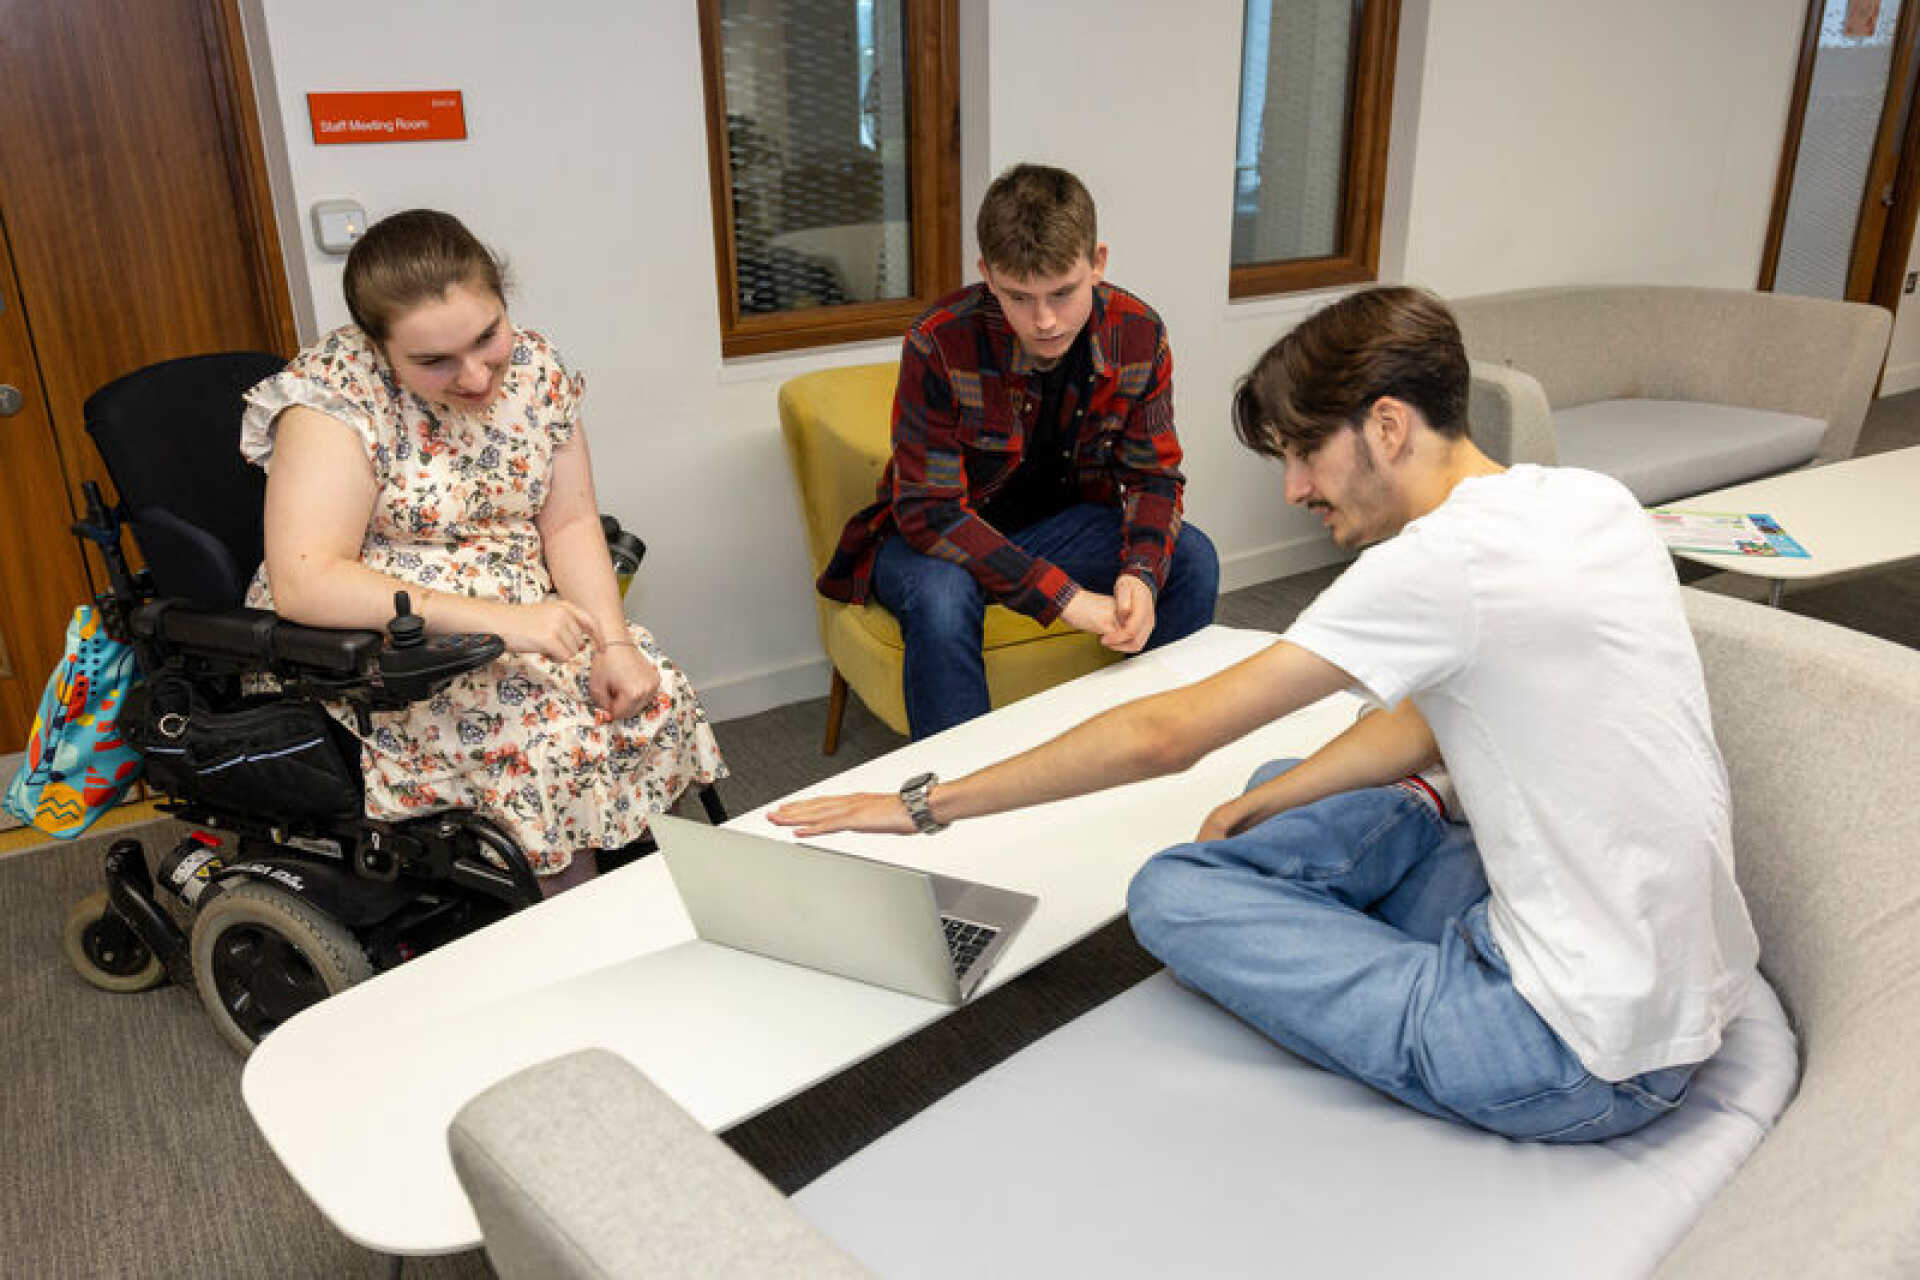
column 1556, row 966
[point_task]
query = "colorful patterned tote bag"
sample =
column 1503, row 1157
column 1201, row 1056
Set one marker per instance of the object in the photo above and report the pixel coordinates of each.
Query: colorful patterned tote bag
column 78, row 764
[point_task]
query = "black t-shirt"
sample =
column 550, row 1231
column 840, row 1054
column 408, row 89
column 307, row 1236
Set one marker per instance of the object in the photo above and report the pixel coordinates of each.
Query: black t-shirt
column 1042, row 485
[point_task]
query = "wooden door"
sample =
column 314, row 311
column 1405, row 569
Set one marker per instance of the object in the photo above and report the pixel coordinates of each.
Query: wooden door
column 1848, row 188
column 135, row 201
column 34, row 564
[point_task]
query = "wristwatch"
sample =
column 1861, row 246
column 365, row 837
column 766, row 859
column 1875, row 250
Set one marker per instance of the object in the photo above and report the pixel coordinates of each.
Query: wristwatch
column 915, row 794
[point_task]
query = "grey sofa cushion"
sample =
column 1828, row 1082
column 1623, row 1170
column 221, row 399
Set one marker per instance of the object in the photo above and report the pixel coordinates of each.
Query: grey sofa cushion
column 1667, row 449
column 1160, row 1136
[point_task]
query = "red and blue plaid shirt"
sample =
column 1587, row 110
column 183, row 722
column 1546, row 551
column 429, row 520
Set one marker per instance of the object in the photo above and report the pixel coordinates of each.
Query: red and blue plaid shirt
column 963, row 411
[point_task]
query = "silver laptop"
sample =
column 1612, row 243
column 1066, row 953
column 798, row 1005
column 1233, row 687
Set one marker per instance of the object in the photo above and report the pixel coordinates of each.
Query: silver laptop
column 927, row 935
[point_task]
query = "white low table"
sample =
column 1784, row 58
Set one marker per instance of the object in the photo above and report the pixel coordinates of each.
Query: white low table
column 355, row 1095
column 1851, row 518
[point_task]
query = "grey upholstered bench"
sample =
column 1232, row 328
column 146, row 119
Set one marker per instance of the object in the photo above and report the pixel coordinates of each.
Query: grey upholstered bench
column 581, row 1167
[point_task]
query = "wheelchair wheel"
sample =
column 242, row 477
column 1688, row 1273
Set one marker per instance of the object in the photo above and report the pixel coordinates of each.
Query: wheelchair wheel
column 105, row 951
column 261, row 955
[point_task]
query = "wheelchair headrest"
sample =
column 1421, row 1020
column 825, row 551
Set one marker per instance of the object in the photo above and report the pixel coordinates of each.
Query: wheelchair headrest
column 170, row 436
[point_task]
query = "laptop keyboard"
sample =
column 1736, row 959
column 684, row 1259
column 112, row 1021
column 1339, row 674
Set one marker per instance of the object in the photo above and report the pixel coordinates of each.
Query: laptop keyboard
column 966, row 939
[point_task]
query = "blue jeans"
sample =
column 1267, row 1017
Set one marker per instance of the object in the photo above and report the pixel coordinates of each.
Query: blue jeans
column 940, row 607
column 1353, row 931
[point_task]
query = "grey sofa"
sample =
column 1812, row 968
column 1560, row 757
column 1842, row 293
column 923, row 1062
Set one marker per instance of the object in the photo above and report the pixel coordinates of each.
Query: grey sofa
column 581, row 1167
column 1671, row 390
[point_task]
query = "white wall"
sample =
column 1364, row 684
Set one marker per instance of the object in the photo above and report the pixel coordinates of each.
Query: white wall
column 1536, row 141
column 586, row 165
column 1159, row 161
column 1633, row 142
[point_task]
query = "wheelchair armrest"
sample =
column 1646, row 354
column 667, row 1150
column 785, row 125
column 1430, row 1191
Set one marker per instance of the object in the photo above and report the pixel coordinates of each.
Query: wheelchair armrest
column 240, row 640
column 258, row 638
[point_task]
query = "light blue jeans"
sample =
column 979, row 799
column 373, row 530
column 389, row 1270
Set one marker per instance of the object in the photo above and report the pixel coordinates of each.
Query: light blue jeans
column 941, row 608
column 1353, row 931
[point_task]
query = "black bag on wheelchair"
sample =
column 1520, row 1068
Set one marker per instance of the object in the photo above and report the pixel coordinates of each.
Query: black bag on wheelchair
column 275, row 754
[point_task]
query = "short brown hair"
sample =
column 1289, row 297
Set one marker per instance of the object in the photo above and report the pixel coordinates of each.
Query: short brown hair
column 1324, row 376
column 409, row 258
column 1036, row 220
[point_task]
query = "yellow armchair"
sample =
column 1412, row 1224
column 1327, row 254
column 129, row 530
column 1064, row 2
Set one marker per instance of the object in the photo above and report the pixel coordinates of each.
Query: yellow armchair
column 837, row 427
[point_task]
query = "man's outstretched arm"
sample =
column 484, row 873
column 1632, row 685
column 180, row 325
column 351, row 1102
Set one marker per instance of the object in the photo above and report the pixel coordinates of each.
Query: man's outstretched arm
column 1162, row 733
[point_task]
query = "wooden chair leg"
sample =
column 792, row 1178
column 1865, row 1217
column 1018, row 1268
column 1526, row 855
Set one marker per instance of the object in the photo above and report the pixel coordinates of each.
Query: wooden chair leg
column 836, row 711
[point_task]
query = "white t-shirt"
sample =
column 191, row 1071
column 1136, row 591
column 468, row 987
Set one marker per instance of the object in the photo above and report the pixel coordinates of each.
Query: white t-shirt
column 1534, row 619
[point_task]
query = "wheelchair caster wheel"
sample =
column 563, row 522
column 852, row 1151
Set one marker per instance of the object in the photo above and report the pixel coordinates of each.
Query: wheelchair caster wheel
column 105, row 951
column 261, row 955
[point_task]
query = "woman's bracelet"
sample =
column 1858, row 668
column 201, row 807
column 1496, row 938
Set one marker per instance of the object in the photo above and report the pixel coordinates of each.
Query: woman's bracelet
column 614, row 644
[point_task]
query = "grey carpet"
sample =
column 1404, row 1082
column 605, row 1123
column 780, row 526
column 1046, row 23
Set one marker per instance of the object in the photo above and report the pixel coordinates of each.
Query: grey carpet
column 127, row 1150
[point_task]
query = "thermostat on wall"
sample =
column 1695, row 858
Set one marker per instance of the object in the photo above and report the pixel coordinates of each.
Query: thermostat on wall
column 337, row 224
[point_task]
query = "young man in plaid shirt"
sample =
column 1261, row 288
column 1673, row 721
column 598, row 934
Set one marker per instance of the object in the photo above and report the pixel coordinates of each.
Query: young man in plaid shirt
column 1034, row 460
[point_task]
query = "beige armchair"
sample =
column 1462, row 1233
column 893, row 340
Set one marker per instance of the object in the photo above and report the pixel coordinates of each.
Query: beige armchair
column 1674, row 390
column 1509, row 416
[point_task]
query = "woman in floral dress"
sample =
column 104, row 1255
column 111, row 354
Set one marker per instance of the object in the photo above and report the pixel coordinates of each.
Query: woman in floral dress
column 432, row 446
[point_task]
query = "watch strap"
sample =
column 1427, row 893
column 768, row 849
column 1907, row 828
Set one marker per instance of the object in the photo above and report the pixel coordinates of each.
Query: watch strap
column 916, row 794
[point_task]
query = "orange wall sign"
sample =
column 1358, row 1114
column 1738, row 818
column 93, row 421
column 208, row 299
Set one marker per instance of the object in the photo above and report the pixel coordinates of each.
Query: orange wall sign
column 426, row 116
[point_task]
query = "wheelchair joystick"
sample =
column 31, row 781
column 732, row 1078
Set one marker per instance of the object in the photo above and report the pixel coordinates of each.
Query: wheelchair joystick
column 407, row 628
column 413, row 666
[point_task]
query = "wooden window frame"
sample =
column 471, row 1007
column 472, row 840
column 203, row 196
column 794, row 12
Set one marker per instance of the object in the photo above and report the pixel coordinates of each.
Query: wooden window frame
column 1376, row 27
column 933, row 110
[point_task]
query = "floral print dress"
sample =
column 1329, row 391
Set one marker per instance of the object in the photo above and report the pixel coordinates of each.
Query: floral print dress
column 459, row 492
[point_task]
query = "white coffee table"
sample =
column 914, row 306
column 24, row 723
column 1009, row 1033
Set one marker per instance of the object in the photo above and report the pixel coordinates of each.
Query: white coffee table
column 1851, row 517
column 355, row 1095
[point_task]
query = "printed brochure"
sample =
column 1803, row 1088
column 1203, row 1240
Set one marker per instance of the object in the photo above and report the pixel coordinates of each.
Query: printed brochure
column 1724, row 533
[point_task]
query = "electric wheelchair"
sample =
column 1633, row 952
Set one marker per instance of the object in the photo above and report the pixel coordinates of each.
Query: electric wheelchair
column 292, row 894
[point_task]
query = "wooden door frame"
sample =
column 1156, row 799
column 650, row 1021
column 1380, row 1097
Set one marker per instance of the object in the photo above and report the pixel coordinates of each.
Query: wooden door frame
column 1884, row 174
column 226, row 38
column 1895, row 166
column 1790, row 144
column 1896, row 246
column 30, row 450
